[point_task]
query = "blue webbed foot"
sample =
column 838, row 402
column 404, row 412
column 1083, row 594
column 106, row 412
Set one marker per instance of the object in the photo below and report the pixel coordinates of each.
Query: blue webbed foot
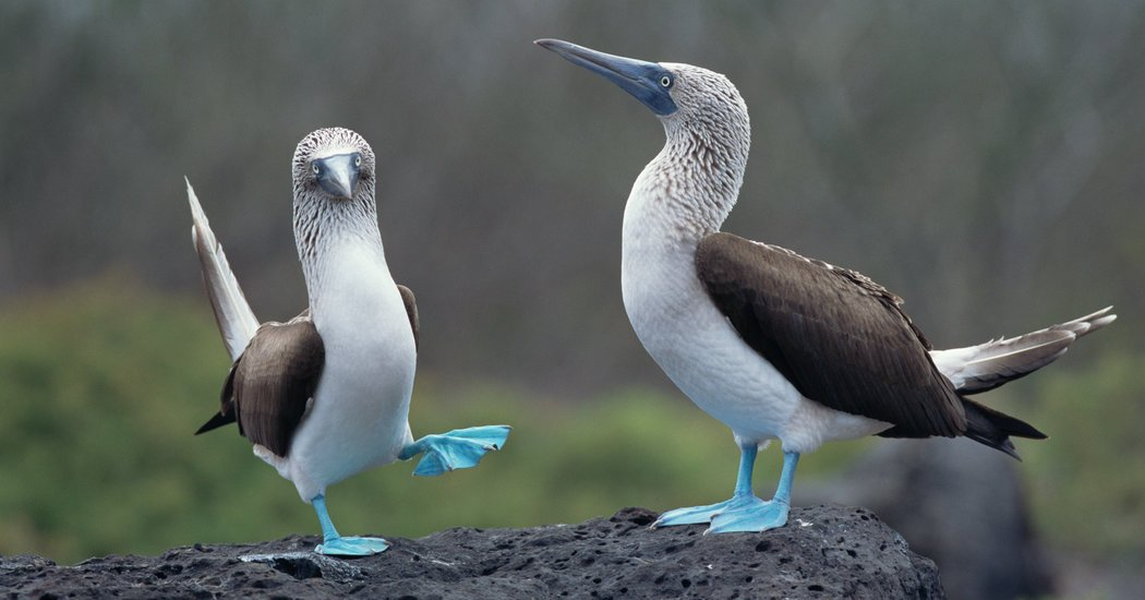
column 757, row 516
column 741, row 513
column 334, row 544
column 351, row 546
column 457, row 449
column 704, row 514
column 745, row 511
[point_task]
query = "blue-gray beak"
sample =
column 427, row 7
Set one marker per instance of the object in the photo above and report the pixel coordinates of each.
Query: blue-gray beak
column 338, row 174
column 648, row 82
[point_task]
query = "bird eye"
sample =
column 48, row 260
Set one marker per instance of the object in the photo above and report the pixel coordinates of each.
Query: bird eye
column 314, row 168
column 357, row 161
column 666, row 81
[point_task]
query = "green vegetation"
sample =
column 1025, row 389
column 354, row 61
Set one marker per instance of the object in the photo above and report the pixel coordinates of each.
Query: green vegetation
column 104, row 384
column 1088, row 481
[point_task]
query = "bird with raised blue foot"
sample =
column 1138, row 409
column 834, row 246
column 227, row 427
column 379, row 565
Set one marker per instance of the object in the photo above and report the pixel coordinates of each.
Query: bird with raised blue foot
column 775, row 345
column 326, row 395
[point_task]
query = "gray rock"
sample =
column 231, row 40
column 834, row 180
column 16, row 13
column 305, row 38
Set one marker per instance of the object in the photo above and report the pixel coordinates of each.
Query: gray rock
column 824, row 552
column 957, row 502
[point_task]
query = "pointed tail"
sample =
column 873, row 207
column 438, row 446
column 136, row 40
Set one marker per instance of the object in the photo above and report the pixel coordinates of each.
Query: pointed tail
column 994, row 428
column 986, row 366
column 236, row 321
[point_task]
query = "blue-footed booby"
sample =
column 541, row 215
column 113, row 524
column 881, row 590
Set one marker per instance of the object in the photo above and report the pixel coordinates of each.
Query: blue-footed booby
column 326, row 395
column 773, row 344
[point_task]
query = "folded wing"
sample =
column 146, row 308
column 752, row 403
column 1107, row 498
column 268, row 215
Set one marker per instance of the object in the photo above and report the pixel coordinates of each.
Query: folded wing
column 838, row 337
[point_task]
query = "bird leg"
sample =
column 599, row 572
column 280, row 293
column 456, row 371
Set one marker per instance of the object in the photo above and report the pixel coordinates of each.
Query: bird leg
column 760, row 515
column 457, row 449
column 336, row 545
column 744, row 511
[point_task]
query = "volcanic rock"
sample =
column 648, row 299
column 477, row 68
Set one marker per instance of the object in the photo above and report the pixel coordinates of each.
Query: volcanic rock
column 823, row 552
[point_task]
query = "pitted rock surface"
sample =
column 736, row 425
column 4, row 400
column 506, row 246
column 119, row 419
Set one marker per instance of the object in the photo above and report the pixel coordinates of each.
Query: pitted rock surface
column 823, row 552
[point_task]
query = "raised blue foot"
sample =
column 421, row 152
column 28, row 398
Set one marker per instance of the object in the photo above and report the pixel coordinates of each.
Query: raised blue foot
column 334, row 544
column 457, row 449
column 744, row 511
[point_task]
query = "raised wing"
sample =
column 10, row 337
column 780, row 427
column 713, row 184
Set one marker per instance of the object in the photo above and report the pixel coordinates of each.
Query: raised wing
column 837, row 336
column 236, row 320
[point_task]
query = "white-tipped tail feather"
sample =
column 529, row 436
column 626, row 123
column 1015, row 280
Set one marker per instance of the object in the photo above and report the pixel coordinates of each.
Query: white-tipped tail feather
column 986, row 366
column 236, row 321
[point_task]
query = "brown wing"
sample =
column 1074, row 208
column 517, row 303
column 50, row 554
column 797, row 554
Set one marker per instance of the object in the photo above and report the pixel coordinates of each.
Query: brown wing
column 270, row 384
column 838, row 337
column 411, row 311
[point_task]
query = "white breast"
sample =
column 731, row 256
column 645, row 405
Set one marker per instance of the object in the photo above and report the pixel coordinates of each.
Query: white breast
column 360, row 413
column 699, row 349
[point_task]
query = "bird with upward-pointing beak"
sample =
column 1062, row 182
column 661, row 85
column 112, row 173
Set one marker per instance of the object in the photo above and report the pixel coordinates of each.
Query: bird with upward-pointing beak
column 326, row 395
column 773, row 344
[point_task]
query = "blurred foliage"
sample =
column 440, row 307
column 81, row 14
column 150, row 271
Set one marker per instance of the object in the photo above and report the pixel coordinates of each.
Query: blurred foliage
column 1088, row 481
column 105, row 383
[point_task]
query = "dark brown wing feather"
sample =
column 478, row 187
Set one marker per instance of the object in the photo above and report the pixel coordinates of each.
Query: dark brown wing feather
column 411, row 311
column 838, row 337
column 270, row 384
column 274, row 379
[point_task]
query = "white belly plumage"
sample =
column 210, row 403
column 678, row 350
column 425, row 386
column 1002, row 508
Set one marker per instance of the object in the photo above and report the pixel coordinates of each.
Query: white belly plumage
column 360, row 414
column 700, row 351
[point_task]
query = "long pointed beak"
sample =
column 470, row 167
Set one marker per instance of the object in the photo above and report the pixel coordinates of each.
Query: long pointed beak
column 338, row 174
column 642, row 79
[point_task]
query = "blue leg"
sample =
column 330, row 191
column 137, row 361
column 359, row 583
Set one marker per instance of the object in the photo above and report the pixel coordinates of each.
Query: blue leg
column 744, row 511
column 761, row 515
column 457, row 449
column 703, row 514
column 336, row 545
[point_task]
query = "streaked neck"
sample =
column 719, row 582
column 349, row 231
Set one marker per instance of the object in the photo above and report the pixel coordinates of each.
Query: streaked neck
column 689, row 189
column 324, row 232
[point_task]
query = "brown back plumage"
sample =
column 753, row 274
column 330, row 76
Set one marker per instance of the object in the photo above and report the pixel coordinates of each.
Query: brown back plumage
column 841, row 340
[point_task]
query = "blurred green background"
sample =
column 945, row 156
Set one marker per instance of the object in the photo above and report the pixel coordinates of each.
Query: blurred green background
column 983, row 159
